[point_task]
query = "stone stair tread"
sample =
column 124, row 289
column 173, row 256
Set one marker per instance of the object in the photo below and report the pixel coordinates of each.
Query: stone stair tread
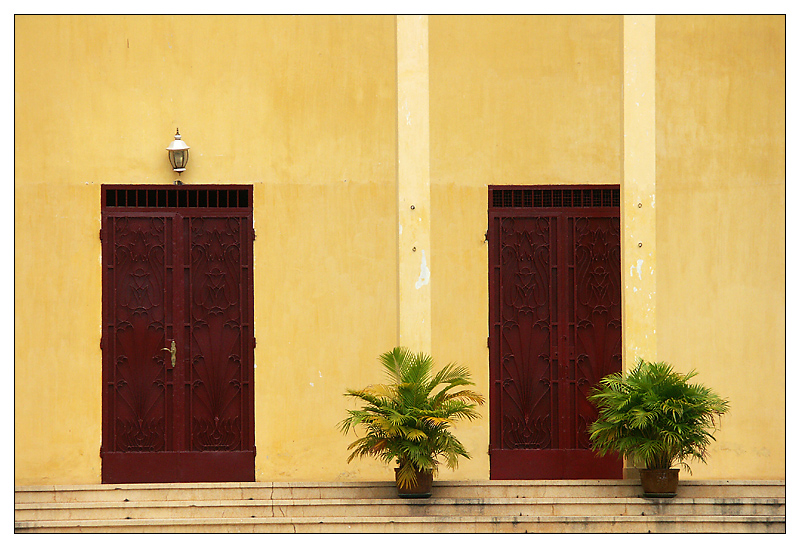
column 386, row 490
column 456, row 506
column 378, row 484
column 396, row 519
column 399, row 502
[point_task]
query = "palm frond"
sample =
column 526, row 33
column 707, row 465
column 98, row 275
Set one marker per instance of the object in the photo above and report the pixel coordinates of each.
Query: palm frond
column 408, row 418
column 653, row 416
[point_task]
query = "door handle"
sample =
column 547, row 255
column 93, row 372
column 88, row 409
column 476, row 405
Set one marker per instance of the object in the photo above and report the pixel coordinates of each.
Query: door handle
column 171, row 350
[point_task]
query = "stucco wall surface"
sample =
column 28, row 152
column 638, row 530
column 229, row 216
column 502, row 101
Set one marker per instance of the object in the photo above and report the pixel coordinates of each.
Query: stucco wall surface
column 514, row 100
column 721, row 226
column 305, row 109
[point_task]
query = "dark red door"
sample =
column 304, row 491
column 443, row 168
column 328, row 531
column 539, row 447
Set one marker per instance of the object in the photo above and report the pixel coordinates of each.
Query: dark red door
column 177, row 334
column 555, row 327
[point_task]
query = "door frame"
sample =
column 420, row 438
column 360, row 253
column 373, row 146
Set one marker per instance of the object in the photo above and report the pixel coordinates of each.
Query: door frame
column 179, row 463
column 554, row 201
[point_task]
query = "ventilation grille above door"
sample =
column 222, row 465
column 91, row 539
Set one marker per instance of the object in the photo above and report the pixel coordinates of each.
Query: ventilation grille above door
column 170, row 197
column 555, row 197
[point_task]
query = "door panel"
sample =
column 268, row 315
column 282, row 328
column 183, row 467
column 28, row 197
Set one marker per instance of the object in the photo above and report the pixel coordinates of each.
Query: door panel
column 177, row 270
column 137, row 396
column 597, row 311
column 555, row 327
column 527, row 338
column 217, row 339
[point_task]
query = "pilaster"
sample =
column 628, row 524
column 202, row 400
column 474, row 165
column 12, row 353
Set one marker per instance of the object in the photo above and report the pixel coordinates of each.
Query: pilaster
column 413, row 184
column 638, row 208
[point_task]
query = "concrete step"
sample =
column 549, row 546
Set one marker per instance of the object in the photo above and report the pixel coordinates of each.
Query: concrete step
column 466, row 506
column 325, row 508
column 387, row 490
column 449, row 524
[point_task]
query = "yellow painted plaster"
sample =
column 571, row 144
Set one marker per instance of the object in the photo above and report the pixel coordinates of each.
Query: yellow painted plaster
column 721, row 226
column 303, row 108
column 638, row 207
column 514, row 100
column 525, row 100
column 413, row 185
column 306, row 110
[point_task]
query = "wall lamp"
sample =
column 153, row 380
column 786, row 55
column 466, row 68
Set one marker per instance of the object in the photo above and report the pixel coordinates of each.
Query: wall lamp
column 178, row 153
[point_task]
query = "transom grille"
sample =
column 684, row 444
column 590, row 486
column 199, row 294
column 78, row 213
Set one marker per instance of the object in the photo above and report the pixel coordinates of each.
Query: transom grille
column 236, row 197
column 555, row 197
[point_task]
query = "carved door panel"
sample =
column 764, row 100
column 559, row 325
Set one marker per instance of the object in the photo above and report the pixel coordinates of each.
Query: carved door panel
column 555, row 327
column 177, row 334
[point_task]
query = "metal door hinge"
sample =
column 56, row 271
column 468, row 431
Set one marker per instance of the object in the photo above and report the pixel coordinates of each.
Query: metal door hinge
column 101, row 234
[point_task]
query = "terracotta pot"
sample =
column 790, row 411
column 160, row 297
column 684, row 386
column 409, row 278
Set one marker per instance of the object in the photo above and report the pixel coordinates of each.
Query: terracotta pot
column 659, row 483
column 421, row 490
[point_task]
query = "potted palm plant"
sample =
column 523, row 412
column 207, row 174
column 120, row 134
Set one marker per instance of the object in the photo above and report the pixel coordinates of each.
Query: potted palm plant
column 654, row 417
column 408, row 419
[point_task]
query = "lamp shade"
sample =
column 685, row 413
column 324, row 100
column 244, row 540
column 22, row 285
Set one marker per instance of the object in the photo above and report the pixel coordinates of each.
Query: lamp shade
column 178, row 153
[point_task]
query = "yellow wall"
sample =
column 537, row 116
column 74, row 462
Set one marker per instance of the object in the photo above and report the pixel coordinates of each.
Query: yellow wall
column 301, row 107
column 638, row 199
column 514, row 100
column 721, row 226
column 305, row 109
